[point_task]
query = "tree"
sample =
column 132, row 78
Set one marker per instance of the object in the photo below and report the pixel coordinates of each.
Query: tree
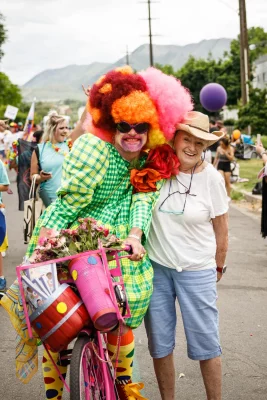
column 3, row 35
column 9, row 93
column 232, row 78
column 196, row 73
column 254, row 113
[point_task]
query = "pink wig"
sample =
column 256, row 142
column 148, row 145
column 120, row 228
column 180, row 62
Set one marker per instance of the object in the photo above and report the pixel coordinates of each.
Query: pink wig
column 172, row 100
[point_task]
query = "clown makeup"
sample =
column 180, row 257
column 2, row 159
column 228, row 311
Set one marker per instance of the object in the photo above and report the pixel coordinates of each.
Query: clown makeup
column 61, row 132
column 129, row 144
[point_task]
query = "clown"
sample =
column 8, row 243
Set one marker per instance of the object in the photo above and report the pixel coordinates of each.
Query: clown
column 127, row 114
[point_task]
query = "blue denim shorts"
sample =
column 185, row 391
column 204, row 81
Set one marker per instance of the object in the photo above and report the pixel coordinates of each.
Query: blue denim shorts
column 196, row 293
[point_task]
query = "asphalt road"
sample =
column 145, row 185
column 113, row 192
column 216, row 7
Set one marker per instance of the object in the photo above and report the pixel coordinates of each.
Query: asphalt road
column 243, row 322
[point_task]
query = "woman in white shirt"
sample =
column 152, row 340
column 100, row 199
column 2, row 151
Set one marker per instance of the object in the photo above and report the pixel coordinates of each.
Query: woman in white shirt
column 187, row 245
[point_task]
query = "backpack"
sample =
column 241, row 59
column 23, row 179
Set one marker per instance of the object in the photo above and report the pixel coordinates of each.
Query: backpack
column 257, row 188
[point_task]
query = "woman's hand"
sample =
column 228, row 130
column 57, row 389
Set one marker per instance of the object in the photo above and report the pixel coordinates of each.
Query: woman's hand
column 138, row 251
column 219, row 276
column 44, row 176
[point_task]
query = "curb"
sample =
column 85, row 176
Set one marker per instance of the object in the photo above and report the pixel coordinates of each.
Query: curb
column 251, row 198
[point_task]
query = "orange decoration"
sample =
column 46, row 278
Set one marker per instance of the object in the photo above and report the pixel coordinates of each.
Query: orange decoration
column 107, row 88
column 145, row 180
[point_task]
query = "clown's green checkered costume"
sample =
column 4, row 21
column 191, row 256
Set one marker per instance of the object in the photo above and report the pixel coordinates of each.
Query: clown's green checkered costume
column 96, row 183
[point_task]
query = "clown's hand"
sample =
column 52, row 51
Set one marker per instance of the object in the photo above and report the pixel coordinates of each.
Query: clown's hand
column 138, row 251
column 87, row 91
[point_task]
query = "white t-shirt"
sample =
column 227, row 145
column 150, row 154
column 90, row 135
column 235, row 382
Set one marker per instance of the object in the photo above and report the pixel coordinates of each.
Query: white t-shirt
column 187, row 241
column 9, row 139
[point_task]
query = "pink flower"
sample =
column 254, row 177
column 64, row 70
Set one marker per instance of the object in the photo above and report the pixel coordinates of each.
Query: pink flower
column 83, row 226
column 106, row 232
column 61, row 241
column 42, row 241
column 52, row 232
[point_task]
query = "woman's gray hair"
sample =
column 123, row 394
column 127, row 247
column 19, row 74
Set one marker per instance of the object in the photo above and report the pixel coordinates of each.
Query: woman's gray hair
column 51, row 125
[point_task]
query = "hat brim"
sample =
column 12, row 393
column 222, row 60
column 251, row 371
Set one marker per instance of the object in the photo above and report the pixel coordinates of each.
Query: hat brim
column 209, row 138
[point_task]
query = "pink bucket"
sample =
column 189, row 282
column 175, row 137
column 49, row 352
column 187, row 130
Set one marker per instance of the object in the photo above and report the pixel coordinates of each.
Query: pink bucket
column 91, row 280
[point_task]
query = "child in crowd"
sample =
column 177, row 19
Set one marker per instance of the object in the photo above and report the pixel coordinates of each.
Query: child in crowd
column 4, row 184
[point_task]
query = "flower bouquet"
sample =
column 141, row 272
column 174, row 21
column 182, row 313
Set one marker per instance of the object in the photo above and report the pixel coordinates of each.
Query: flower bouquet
column 68, row 242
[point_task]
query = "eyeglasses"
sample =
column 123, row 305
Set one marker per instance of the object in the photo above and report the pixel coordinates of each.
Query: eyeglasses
column 187, row 192
column 141, row 128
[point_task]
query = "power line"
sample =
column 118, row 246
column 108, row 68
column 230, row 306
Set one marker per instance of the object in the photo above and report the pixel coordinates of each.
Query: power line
column 228, row 5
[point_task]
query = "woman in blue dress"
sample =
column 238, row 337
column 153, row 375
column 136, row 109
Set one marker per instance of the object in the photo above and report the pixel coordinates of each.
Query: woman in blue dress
column 47, row 159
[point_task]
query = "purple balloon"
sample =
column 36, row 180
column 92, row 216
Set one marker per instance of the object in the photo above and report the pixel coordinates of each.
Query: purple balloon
column 213, row 97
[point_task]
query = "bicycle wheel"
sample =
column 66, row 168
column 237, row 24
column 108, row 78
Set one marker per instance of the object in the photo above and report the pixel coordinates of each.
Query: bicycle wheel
column 87, row 381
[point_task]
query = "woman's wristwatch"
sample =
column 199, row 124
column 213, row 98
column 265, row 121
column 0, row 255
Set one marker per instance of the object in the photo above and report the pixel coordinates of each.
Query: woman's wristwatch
column 222, row 270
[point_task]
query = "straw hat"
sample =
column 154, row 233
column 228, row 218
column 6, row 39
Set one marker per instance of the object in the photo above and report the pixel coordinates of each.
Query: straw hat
column 197, row 124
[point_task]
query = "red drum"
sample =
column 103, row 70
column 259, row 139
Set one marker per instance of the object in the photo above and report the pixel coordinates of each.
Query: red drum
column 60, row 318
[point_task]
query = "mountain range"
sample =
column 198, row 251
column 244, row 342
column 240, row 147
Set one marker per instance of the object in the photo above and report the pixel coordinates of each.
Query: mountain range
column 66, row 83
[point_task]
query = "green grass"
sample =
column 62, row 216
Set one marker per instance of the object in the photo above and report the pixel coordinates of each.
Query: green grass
column 236, row 195
column 248, row 169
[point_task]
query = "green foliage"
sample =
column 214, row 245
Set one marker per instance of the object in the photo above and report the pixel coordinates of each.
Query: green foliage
column 167, row 69
column 254, row 113
column 230, row 122
column 3, row 35
column 258, row 37
column 197, row 73
column 9, row 93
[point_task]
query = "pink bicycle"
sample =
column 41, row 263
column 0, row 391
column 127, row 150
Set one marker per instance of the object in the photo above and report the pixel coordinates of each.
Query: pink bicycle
column 92, row 376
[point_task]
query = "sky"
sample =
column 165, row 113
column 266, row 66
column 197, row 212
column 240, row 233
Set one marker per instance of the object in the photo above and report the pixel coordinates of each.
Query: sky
column 48, row 34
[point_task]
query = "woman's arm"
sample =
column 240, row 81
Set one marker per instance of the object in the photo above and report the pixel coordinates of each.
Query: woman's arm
column 230, row 153
column 140, row 219
column 79, row 130
column 4, row 188
column 216, row 157
column 262, row 152
column 220, row 227
column 40, row 177
column 35, row 167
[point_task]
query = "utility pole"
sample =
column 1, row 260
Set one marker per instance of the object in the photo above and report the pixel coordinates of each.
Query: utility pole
column 244, row 59
column 150, row 36
column 127, row 56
